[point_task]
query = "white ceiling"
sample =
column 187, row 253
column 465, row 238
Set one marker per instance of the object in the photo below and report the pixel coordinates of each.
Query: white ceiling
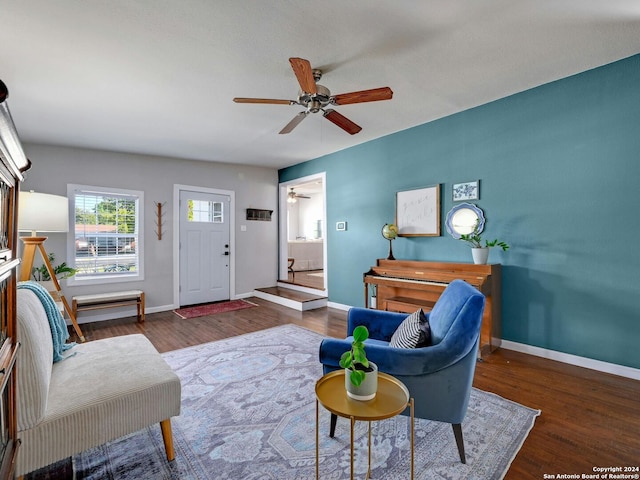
column 158, row 76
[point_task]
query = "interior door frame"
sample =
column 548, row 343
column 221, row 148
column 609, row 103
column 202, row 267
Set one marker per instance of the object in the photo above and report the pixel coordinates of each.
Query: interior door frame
column 282, row 227
column 177, row 188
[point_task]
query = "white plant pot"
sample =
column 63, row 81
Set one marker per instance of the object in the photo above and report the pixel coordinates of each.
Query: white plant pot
column 480, row 255
column 367, row 389
column 47, row 285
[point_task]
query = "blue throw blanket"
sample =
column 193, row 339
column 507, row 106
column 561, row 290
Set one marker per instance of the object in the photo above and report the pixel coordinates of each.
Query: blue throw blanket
column 59, row 332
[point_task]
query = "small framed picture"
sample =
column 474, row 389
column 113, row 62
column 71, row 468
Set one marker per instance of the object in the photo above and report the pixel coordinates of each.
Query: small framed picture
column 341, row 226
column 466, row 191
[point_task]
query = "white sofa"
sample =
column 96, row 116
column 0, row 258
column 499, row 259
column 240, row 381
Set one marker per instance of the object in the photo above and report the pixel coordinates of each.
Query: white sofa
column 103, row 390
column 307, row 254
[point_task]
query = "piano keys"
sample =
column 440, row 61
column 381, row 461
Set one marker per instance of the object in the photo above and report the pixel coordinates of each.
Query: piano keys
column 406, row 285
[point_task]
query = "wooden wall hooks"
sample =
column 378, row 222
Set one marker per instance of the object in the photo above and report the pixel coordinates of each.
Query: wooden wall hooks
column 159, row 221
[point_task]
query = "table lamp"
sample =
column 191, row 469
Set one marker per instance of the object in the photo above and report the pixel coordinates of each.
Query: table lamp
column 40, row 212
column 45, row 213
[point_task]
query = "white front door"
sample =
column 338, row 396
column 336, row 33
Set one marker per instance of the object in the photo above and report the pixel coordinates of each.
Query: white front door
column 204, row 247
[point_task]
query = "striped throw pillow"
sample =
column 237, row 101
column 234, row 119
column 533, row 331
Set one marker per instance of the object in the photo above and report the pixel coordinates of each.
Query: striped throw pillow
column 413, row 332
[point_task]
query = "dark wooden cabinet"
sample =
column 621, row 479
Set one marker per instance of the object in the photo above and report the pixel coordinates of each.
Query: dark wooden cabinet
column 12, row 163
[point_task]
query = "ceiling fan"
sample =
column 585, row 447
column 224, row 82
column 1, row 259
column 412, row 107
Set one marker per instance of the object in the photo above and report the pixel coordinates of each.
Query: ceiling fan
column 315, row 97
column 292, row 196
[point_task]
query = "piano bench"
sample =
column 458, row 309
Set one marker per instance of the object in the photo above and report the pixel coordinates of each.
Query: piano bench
column 407, row 304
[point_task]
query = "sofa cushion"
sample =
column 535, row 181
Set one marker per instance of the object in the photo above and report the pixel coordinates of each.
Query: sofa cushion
column 57, row 323
column 413, row 332
column 34, row 363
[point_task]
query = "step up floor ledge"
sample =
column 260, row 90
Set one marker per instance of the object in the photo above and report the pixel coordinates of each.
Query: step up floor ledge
column 293, row 304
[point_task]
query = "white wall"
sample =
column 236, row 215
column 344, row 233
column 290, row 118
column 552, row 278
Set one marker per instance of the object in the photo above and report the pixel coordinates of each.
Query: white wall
column 304, row 216
column 255, row 187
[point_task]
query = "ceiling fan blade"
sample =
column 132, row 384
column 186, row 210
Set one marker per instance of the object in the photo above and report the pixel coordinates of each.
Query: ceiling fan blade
column 264, row 100
column 341, row 121
column 294, row 122
column 373, row 95
column 304, row 74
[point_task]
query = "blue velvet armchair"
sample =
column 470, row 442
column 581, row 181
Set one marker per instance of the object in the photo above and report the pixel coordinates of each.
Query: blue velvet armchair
column 439, row 376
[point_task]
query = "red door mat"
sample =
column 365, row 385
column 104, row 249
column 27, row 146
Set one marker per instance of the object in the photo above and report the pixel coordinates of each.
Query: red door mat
column 213, row 308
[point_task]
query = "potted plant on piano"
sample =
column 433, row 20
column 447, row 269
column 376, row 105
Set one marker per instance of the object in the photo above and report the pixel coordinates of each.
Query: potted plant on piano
column 479, row 251
column 361, row 375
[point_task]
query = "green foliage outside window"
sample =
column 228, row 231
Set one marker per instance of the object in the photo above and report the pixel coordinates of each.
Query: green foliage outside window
column 107, row 211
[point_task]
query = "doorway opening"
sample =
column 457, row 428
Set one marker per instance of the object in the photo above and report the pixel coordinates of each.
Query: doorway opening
column 303, row 248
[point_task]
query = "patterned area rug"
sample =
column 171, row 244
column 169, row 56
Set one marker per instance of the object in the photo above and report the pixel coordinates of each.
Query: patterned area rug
column 248, row 412
column 213, row 308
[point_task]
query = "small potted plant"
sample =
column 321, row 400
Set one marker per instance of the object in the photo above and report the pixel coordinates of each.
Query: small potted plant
column 361, row 375
column 62, row 271
column 479, row 251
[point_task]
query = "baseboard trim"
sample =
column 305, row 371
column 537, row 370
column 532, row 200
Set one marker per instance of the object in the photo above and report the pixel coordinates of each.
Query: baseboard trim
column 117, row 312
column 576, row 360
column 339, row 306
column 239, row 296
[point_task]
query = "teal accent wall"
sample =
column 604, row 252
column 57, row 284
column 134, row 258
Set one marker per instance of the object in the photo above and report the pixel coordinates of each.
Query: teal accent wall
column 559, row 170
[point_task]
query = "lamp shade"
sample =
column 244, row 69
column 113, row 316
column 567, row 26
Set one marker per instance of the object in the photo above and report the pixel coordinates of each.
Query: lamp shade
column 42, row 212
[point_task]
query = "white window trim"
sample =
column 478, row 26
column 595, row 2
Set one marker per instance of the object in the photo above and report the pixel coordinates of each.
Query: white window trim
column 71, row 238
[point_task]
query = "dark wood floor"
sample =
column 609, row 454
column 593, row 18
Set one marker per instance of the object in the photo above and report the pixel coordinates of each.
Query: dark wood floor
column 589, row 419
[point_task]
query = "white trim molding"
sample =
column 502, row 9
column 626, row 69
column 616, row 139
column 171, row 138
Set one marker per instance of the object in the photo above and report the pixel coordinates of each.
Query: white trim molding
column 176, row 236
column 576, row 360
column 339, row 306
column 283, row 224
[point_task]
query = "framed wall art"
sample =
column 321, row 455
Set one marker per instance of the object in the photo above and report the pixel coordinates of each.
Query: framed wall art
column 466, row 191
column 418, row 212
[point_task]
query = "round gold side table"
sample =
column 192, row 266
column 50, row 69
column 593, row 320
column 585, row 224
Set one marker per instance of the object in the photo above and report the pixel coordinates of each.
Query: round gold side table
column 391, row 399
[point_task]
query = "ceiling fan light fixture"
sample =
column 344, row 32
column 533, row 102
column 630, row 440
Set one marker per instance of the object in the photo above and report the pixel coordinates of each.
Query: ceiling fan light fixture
column 315, row 97
column 321, row 98
column 314, row 106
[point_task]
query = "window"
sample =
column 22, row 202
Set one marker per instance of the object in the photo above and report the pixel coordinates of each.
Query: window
column 107, row 241
column 205, row 211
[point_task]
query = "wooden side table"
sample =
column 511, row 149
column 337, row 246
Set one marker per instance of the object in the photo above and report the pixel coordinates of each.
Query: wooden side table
column 391, row 399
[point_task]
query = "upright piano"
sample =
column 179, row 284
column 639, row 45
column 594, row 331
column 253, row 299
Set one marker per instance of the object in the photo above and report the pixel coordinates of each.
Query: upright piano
column 406, row 285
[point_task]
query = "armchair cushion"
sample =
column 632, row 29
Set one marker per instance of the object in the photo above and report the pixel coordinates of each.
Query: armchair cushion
column 394, row 361
column 413, row 332
column 381, row 324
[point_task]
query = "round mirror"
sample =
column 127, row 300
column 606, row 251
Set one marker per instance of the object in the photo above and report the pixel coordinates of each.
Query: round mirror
column 462, row 219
